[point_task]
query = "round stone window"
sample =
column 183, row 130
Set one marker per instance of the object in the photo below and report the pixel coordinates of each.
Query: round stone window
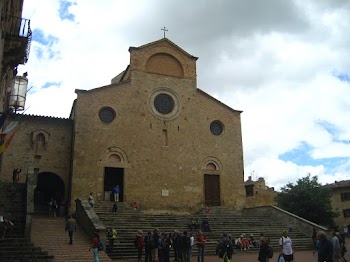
column 164, row 104
column 216, row 128
column 106, row 115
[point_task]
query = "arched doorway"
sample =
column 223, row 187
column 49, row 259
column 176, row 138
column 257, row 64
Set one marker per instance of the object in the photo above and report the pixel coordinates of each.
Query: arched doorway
column 49, row 186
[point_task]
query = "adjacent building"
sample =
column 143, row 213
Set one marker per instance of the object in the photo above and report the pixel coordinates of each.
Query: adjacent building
column 340, row 201
column 258, row 194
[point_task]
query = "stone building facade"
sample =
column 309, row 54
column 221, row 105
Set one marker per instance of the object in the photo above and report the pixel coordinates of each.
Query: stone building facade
column 166, row 143
column 258, row 194
column 340, row 202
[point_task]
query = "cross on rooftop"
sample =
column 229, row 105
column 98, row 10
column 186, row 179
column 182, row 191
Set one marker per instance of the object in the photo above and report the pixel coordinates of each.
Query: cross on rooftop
column 164, row 29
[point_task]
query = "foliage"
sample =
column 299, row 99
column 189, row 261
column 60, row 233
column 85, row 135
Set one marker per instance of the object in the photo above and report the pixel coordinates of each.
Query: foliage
column 308, row 199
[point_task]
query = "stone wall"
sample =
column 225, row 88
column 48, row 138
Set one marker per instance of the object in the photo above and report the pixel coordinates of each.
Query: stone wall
column 158, row 153
column 286, row 218
column 88, row 220
column 29, row 150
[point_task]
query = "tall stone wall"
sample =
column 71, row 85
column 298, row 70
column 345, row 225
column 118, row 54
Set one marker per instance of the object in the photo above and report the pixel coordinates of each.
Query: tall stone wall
column 42, row 143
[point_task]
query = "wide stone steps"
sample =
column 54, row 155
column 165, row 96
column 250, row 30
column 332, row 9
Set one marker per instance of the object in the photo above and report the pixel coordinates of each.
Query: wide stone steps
column 50, row 235
column 128, row 221
column 21, row 249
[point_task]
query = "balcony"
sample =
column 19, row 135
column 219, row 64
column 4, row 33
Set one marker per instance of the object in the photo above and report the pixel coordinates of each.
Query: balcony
column 18, row 36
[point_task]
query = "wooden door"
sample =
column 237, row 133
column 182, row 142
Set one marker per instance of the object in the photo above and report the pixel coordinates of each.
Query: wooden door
column 212, row 190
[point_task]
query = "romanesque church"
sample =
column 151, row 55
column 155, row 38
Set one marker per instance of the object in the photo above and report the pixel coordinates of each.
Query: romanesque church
column 152, row 131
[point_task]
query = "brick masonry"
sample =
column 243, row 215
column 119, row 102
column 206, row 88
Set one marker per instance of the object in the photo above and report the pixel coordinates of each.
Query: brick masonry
column 159, row 153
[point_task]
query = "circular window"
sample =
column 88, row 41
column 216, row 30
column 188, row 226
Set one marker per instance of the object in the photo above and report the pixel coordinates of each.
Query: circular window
column 106, row 115
column 216, row 128
column 164, row 103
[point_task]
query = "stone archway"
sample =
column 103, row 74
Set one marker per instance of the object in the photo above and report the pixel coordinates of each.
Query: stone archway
column 49, row 185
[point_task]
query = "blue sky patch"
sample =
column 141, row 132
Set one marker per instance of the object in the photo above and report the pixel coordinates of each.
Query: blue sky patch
column 64, row 11
column 38, row 36
column 301, row 156
column 39, row 52
column 343, row 77
column 48, row 84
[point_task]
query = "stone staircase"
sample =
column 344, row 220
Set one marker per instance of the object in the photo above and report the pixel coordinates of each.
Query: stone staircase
column 127, row 221
column 22, row 250
column 15, row 247
column 50, row 235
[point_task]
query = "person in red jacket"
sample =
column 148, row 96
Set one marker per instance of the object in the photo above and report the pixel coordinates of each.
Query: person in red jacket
column 140, row 244
column 95, row 239
column 201, row 240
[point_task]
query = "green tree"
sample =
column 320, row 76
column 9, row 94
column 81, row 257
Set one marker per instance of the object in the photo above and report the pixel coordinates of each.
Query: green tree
column 308, row 199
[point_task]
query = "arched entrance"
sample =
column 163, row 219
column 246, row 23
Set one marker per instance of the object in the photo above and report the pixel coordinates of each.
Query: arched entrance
column 49, row 186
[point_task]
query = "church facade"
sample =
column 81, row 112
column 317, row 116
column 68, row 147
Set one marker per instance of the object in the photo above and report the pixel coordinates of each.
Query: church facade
column 166, row 143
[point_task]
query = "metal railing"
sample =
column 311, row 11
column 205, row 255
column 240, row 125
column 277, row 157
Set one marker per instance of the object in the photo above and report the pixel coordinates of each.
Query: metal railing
column 18, row 26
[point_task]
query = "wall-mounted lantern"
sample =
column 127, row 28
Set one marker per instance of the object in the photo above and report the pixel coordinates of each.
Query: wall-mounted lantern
column 18, row 93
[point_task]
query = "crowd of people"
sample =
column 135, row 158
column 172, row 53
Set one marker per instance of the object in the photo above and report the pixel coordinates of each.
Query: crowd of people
column 156, row 245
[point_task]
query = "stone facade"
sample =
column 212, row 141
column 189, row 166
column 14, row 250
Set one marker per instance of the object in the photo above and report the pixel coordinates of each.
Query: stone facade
column 43, row 143
column 258, row 194
column 340, row 201
column 166, row 143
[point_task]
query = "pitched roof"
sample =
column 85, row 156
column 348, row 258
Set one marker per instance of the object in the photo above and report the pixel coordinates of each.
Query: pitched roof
column 164, row 40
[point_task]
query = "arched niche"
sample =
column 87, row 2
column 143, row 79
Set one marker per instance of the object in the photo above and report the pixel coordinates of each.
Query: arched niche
column 164, row 64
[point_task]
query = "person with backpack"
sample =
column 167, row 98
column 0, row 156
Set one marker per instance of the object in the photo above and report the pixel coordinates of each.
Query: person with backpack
column 95, row 241
column 265, row 250
column 286, row 247
column 225, row 247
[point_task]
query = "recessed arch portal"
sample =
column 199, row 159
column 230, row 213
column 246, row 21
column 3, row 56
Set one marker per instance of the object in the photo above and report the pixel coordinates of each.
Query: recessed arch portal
column 49, row 185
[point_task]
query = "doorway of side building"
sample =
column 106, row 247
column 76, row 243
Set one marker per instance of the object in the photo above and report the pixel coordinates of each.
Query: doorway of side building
column 49, row 186
column 113, row 176
column 212, row 190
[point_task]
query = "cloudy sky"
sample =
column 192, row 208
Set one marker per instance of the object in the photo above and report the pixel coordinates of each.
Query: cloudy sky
column 285, row 64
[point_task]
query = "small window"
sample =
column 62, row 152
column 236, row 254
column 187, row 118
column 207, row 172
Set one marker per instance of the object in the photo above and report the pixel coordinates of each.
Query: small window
column 346, row 212
column 249, row 190
column 106, row 115
column 345, row 196
column 216, row 128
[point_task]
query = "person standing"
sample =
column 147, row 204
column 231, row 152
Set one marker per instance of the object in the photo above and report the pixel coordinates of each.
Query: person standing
column 149, row 243
column 191, row 244
column 200, row 240
column 94, row 246
column 71, row 227
column 286, row 247
column 325, row 248
column 263, row 251
column 91, row 199
column 336, row 248
column 207, row 211
column 112, row 235
column 15, row 174
column 140, row 243
column 116, row 192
